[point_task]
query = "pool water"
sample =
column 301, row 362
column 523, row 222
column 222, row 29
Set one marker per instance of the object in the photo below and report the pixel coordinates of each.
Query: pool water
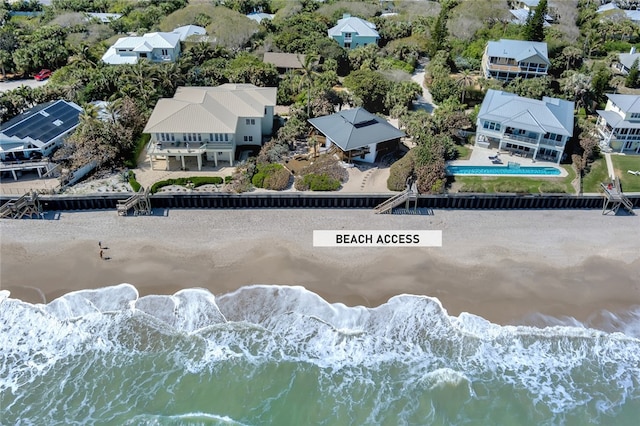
column 503, row 170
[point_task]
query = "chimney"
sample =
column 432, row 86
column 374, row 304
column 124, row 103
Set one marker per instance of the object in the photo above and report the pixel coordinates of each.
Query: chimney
column 633, row 50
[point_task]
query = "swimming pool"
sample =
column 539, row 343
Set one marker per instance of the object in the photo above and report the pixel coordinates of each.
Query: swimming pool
column 503, row 170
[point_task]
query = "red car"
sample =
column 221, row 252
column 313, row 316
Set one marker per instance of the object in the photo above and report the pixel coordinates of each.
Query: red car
column 42, row 75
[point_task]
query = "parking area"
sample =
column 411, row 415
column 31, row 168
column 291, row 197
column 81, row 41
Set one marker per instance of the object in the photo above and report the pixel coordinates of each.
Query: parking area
column 14, row 84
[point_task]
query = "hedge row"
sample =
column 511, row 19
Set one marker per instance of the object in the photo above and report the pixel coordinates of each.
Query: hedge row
column 195, row 180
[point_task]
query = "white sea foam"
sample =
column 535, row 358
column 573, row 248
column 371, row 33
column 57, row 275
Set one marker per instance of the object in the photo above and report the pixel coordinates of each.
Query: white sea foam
column 560, row 366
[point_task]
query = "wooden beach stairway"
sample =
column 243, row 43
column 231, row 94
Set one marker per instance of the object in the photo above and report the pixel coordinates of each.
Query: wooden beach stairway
column 406, row 196
column 614, row 198
column 27, row 205
column 139, row 202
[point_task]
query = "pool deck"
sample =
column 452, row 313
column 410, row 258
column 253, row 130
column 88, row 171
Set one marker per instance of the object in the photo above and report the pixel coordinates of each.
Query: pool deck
column 480, row 157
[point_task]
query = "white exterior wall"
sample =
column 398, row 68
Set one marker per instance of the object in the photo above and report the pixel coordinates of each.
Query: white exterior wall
column 267, row 121
column 371, row 156
column 253, row 130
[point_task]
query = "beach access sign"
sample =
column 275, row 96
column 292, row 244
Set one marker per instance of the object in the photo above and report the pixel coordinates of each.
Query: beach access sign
column 368, row 238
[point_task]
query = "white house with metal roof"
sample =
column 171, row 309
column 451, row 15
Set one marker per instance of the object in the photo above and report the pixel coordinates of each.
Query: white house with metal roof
column 191, row 32
column 155, row 47
column 209, row 123
column 619, row 123
column 507, row 59
column 358, row 134
column 626, row 60
column 527, row 127
column 352, row 32
column 38, row 131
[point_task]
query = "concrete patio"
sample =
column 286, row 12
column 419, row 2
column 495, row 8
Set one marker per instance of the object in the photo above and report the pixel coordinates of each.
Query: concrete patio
column 484, row 157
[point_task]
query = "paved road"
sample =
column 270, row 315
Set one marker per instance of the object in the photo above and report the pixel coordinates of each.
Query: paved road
column 14, row 84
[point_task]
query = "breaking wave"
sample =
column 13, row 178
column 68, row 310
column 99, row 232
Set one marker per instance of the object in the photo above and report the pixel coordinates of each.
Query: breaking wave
column 258, row 354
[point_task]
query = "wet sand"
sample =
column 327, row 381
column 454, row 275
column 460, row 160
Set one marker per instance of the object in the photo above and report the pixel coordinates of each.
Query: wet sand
column 502, row 265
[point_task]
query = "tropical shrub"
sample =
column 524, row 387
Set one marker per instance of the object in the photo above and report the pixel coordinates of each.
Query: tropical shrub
column 400, row 172
column 317, row 182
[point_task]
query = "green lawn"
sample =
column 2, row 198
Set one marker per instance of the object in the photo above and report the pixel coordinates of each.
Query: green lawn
column 464, row 152
column 598, row 174
column 517, row 184
column 622, row 163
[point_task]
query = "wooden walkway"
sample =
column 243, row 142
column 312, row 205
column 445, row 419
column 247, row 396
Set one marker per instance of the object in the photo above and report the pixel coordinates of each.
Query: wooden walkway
column 138, row 202
column 26, row 206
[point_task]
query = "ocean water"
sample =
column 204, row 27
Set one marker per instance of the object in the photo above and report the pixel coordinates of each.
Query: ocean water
column 283, row 356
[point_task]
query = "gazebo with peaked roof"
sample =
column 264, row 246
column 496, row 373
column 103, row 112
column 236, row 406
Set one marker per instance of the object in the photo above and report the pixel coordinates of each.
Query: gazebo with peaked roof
column 358, row 134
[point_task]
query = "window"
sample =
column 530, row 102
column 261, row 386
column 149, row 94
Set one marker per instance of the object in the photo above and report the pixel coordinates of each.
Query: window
column 250, row 121
column 226, row 137
column 216, row 137
column 347, row 45
column 347, row 35
column 164, row 52
column 199, row 137
column 635, row 115
column 248, row 138
column 490, row 125
column 210, row 137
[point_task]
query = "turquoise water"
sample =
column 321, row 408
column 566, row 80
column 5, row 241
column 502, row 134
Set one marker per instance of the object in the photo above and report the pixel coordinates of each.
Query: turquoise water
column 283, row 356
column 503, row 170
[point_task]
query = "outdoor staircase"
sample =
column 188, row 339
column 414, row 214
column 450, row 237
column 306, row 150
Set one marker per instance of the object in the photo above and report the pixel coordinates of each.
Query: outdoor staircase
column 387, row 206
column 26, row 205
column 139, row 202
column 614, row 198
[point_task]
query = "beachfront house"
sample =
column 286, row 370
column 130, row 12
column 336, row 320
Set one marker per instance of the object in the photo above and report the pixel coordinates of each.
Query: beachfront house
column 210, row 123
column 284, row 62
column 38, row 131
column 533, row 128
column 154, row 47
column 507, row 59
column 357, row 134
column 626, row 61
column 618, row 124
column 351, row 32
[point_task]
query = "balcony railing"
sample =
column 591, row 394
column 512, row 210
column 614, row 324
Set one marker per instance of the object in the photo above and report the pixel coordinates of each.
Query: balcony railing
column 549, row 142
column 519, row 138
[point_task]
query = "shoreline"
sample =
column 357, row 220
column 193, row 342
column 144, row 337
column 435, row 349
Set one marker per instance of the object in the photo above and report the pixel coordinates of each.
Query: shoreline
column 505, row 266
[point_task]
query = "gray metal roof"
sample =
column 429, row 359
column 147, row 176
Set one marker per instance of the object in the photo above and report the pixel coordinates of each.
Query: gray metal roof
column 627, row 103
column 284, row 60
column 355, row 128
column 627, row 59
column 43, row 123
column 351, row 24
column 550, row 115
column 519, row 50
column 616, row 121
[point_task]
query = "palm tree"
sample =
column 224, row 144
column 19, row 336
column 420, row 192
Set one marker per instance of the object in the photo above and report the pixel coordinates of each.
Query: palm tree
column 572, row 55
column 308, row 72
column 463, row 81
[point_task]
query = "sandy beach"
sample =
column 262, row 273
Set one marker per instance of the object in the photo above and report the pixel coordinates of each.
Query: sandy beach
column 502, row 265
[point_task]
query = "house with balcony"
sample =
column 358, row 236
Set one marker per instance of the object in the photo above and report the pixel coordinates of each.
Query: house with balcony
column 618, row 124
column 210, row 123
column 537, row 129
column 154, row 47
column 37, row 132
column 352, row 32
column 507, row 59
column 357, row 134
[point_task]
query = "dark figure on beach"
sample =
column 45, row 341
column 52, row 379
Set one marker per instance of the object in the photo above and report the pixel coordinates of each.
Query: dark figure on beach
column 101, row 253
column 99, row 244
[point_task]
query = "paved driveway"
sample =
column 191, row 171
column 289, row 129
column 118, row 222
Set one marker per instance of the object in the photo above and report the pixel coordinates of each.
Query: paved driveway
column 14, row 84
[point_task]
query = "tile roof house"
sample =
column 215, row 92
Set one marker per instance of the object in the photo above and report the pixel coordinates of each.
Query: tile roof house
column 358, row 134
column 155, row 47
column 352, row 32
column 523, row 126
column 284, row 62
column 619, row 124
column 209, row 123
column 507, row 59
